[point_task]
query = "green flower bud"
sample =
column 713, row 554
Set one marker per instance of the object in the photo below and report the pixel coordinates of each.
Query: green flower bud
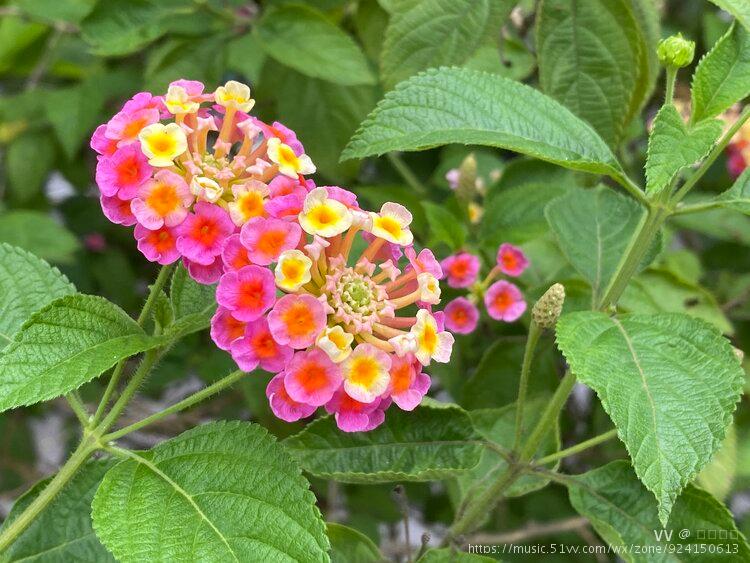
column 676, row 51
column 467, row 178
column 546, row 311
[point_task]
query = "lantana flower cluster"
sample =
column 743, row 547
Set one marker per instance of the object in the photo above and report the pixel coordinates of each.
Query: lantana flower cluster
column 502, row 299
column 347, row 331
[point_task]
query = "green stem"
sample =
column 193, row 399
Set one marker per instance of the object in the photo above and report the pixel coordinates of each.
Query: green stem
column 149, row 359
column 182, row 405
column 712, row 156
column 143, row 316
column 549, row 417
column 403, row 169
column 523, row 384
column 683, row 209
column 63, row 476
column 671, row 77
column 78, row 408
column 631, row 187
column 585, row 445
column 649, row 226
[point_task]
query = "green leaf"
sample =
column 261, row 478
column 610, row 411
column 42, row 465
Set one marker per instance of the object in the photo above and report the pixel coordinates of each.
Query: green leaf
column 426, row 444
column 39, row 234
column 72, row 11
column 451, row 555
column 245, row 55
column 659, row 291
column 738, row 196
column 305, row 40
column 453, row 105
column 593, row 228
column 348, row 545
column 673, row 145
column 62, row 531
column 434, row 33
column 624, row 514
column 670, row 384
column 326, row 112
column 723, row 75
column 224, row 491
column 74, row 113
column 594, row 59
column 188, row 296
column 64, row 345
column 17, row 35
column 738, row 8
column 499, row 427
column 27, row 283
column 444, row 226
column 29, row 160
column 718, row 476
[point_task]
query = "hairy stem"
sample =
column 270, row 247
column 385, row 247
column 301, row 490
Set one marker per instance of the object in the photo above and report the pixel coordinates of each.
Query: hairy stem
column 528, row 356
column 669, row 92
column 65, row 474
column 177, row 407
column 78, row 408
column 585, row 445
column 143, row 316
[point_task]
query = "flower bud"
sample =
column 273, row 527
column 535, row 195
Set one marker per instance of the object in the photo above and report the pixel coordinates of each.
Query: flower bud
column 467, row 178
column 547, row 310
column 676, row 51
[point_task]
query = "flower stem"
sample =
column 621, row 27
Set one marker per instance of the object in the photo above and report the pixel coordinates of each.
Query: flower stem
column 63, row 476
column 585, row 445
column 156, row 287
column 523, row 384
column 669, row 91
column 78, row 408
column 406, row 173
column 185, row 403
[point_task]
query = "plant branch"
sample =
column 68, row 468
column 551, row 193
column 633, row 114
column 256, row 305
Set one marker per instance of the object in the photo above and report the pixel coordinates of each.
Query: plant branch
column 631, row 187
column 528, row 355
column 406, row 173
column 585, row 445
column 143, row 316
column 177, row 407
column 712, row 156
column 78, row 408
column 685, row 209
column 533, row 530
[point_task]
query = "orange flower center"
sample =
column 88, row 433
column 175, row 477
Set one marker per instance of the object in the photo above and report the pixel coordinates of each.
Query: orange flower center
column 502, row 301
column 127, row 171
column 401, row 377
column 312, row 376
column 264, row 345
column 271, row 242
column 298, row 320
column 251, row 205
column 251, row 294
column 163, row 199
column 363, row 371
column 162, row 240
column 205, row 231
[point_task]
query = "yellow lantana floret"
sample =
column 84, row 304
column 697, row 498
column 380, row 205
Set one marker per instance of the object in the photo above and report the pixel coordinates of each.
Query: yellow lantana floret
column 429, row 342
column 392, row 224
column 178, row 101
column 337, row 343
column 292, row 270
column 249, row 201
column 235, row 95
column 162, row 143
column 324, row 216
column 288, row 162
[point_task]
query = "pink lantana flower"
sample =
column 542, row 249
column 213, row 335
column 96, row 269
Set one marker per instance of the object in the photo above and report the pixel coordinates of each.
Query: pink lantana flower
column 312, row 378
column 461, row 316
column 282, row 405
column 461, row 269
column 354, row 416
column 257, row 348
column 203, row 232
column 207, row 274
column 163, row 200
column 408, row 383
column 511, row 260
column 265, row 239
column 225, row 329
column 123, row 172
column 234, row 254
column 248, row 293
column 504, row 301
column 117, row 210
column 297, row 320
column 159, row 245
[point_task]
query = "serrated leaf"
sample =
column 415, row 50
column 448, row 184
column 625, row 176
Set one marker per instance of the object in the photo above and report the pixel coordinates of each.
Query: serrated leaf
column 224, row 491
column 305, row 40
column 62, row 532
column 623, row 513
column 738, row 8
column 670, row 384
column 29, row 161
column 444, row 226
column 189, row 297
column 39, row 234
column 434, row 33
column 27, row 283
column 593, row 228
column 738, row 196
column 64, row 345
column 426, row 444
column 673, row 145
column 499, row 427
column 451, row 555
column 453, row 105
column 349, row 545
column 594, row 59
column 723, row 75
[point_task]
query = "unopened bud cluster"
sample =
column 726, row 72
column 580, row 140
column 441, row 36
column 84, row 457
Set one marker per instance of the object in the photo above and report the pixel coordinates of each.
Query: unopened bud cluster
column 676, row 51
column 547, row 310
